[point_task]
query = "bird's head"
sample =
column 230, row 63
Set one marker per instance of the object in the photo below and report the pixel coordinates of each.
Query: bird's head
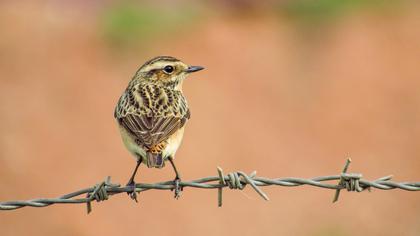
column 165, row 70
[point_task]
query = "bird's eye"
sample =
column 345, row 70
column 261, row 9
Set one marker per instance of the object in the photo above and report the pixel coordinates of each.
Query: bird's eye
column 168, row 69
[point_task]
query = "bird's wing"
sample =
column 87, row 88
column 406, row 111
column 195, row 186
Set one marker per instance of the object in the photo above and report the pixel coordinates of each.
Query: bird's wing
column 150, row 131
column 150, row 121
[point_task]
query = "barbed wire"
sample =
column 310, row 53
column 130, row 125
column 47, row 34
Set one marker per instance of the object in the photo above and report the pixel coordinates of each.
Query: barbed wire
column 235, row 180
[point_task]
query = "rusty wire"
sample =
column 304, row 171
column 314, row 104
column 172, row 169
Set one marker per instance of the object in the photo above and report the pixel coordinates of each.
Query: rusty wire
column 235, row 180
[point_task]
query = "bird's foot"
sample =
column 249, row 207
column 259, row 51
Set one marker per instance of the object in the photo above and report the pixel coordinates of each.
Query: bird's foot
column 177, row 188
column 132, row 193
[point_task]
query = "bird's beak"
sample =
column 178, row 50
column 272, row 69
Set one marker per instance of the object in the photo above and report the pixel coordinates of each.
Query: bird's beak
column 191, row 69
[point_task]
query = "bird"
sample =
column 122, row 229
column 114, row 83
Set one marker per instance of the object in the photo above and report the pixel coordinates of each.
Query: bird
column 151, row 115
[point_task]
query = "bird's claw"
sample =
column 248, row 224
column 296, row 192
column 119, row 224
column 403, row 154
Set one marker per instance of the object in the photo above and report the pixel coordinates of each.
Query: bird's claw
column 177, row 188
column 132, row 193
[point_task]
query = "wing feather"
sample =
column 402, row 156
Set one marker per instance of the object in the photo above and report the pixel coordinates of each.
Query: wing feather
column 151, row 125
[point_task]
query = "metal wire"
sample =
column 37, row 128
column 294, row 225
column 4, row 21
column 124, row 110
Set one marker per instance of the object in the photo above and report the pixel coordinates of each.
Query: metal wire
column 235, row 180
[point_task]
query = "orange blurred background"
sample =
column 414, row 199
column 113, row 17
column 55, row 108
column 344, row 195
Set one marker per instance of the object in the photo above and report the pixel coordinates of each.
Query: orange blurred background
column 291, row 88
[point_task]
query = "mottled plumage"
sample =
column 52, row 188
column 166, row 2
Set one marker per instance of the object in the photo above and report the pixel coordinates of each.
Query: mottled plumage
column 152, row 111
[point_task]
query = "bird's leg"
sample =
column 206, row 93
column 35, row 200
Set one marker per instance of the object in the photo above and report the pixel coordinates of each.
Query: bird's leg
column 177, row 179
column 132, row 184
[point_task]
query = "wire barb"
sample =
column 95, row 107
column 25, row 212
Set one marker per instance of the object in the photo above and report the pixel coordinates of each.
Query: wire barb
column 220, row 189
column 234, row 180
column 342, row 180
column 100, row 193
column 237, row 180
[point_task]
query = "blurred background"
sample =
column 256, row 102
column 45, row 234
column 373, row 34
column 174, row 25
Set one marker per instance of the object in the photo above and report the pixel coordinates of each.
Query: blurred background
column 291, row 88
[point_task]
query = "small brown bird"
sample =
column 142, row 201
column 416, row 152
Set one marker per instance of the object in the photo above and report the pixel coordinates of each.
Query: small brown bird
column 152, row 113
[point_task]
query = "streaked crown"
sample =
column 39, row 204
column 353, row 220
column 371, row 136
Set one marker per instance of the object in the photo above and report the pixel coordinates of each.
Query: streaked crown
column 165, row 70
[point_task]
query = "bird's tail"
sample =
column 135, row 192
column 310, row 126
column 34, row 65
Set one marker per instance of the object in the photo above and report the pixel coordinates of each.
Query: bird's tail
column 155, row 160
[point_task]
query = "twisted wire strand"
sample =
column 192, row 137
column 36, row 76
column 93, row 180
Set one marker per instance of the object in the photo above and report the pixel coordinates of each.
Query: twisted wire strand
column 235, row 180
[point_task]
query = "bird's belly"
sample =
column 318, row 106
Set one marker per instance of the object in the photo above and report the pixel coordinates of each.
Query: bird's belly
column 131, row 145
column 173, row 143
column 172, row 146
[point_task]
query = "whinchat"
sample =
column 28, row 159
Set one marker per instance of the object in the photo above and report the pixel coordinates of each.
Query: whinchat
column 152, row 113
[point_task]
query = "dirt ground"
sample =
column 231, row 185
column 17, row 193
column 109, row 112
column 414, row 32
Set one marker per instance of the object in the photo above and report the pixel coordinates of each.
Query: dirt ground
column 274, row 97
